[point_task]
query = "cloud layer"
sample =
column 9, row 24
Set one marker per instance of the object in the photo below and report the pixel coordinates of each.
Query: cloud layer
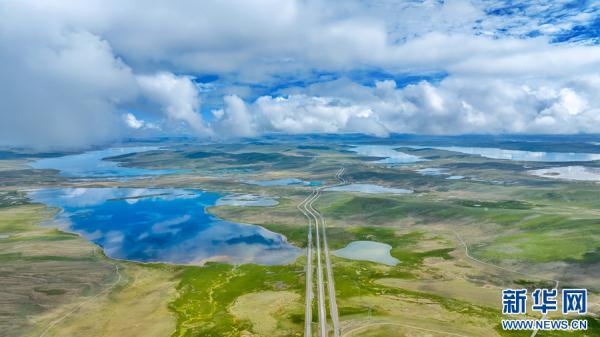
column 77, row 75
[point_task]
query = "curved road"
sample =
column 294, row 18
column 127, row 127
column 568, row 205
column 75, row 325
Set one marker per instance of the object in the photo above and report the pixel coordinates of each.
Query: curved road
column 320, row 287
column 307, row 208
column 309, row 269
column 556, row 282
column 314, row 216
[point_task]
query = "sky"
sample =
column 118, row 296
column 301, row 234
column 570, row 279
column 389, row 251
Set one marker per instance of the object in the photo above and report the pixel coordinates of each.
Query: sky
column 77, row 74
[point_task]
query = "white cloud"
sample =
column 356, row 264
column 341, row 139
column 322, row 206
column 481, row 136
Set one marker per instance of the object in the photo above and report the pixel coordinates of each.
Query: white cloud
column 456, row 105
column 572, row 103
column 132, row 121
column 235, row 120
column 71, row 69
column 52, row 97
column 177, row 96
column 301, row 114
column 261, row 41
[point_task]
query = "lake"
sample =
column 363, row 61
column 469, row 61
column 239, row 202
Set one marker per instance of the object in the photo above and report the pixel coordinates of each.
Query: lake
column 92, row 164
column 580, row 173
column 280, row 182
column 246, row 200
column 387, row 152
column 433, row 171
column 368, row 188
column 162, row 225
column 517, row 155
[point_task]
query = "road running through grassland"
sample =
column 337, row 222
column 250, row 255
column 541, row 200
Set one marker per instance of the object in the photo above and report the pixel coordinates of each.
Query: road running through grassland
column 307, row 208
column 320, row 286
column 314, row 216
column 309, row 269
column 333, row 309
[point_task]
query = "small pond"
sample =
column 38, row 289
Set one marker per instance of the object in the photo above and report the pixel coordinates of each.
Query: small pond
column 368, row 188
column 368, row 251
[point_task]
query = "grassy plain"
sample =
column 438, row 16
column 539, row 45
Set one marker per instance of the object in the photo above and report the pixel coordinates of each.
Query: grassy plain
column 518, row 231
column 42, row 268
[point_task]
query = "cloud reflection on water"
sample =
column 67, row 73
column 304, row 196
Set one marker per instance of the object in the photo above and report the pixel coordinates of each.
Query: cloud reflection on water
column 166, row 225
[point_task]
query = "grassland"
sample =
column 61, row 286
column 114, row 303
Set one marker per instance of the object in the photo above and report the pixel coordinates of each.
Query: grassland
column 212, row 300
column 58, row 284
column 527, row 231
column 277, row 307
column 533, row 230
column 135, row 303
column 42, row 268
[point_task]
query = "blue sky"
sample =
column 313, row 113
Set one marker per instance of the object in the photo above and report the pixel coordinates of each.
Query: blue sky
column 82, row 74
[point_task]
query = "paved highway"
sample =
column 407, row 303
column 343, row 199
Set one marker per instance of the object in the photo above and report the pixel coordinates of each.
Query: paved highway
column 333, row 309
column 306, row 207
column 309, row 269
column 320, row 286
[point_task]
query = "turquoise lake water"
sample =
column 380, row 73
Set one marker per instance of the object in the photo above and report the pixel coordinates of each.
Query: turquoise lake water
column 368, row 251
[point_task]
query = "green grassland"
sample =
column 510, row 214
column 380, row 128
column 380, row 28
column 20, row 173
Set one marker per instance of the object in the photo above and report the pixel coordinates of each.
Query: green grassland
column 206, row 294
column 547, row 228
column 507, row 218
column 530, row 225
column 538, row 230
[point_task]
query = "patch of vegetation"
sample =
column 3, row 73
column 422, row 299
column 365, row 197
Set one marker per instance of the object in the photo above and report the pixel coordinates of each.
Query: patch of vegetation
column 543, row 246
column 415, row 259
column 12, row 198
column 28, row 177
column 255, row 157
column 215, row 157
column 546, row 238
column 203, row 154
column 314, row 147
column 590, row 257
column 206, row 293
column 18, row 155
column 52, row 235
column 564, row 194
column 376, row 209
column 503, row 204
column 13, row 257
column 50, row 292
column 40, row 260
column 357, row 279
column 296, row 235
column 485, row 165
column 349, row 311
column 409, row 179
column 534, row 284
